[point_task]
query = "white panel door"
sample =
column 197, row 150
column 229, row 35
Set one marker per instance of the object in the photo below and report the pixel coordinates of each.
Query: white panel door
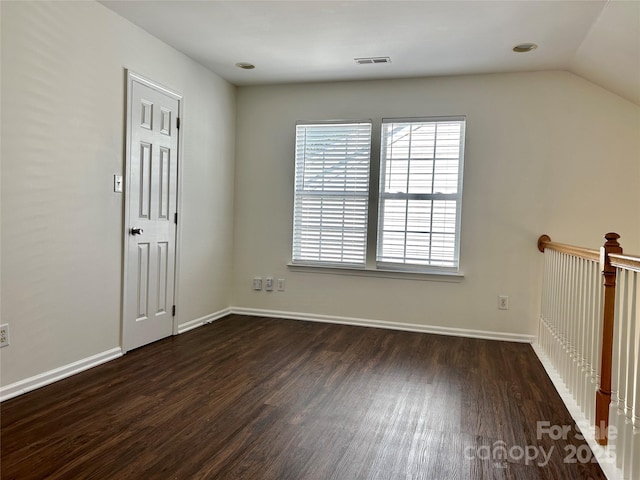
column 151, row 206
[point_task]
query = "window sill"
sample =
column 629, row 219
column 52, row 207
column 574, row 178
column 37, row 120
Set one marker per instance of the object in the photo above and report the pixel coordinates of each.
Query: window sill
column 434, row 276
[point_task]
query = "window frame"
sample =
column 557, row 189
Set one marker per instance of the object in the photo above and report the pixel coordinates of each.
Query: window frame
column 389, row 269
column 325, row 194
column 457, row 197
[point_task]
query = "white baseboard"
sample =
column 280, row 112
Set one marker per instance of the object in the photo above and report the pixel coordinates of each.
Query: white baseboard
column 46, row 378
column 607, row 463
column 198, row 322
column 409, row 327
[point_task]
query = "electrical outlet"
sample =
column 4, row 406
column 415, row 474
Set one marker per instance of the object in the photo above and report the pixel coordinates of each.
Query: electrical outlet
column 503, row 302
column 281, row 284
column 268, row 284
column 4, row 335
column 257, row 283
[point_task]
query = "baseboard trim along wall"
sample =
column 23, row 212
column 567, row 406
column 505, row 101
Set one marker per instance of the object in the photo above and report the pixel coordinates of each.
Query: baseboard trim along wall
column 607, row 463
column 408, row 327
column 198, row 322
column 46, row 378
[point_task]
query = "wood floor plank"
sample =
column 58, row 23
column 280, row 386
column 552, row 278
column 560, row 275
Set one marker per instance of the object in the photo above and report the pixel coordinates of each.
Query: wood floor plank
column 261, row 398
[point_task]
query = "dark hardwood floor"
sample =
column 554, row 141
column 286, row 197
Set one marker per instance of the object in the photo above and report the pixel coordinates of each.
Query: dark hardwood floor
column 258, row 398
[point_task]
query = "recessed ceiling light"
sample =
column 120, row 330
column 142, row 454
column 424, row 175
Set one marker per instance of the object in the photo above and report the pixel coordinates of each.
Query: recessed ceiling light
column 525, row 47
column 245, row 65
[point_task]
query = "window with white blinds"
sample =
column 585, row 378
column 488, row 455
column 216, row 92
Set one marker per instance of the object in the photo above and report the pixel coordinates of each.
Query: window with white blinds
column 421, row 164
column 331, row 193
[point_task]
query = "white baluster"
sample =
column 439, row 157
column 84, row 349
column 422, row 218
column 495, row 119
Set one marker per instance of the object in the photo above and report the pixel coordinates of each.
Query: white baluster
column 581, row 322
column 553, row 313
column 573, row 324
column 564, row 354
column 635, row 450
column 555, row 346
column 568, row 316
column 612, row 443
column 619, row 364
column 631, row 364
column 546, row 288
column 629, row 369
column 593, row 279
column 582, row 332
column 547, row 308
column 598, row 336
column 543, row 304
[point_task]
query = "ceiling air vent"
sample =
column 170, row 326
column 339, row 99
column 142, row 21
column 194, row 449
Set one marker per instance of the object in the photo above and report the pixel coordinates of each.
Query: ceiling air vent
column 367, row 60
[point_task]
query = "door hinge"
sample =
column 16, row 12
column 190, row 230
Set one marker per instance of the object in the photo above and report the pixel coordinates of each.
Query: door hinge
column 175, row 218
column 178, row 123
column 173, row 311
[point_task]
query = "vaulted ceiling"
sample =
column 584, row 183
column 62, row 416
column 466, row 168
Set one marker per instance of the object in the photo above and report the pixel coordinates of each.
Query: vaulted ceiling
column 305, row 41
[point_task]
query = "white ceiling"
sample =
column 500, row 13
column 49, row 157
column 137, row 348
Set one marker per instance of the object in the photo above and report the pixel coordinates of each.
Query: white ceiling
column 303, row 41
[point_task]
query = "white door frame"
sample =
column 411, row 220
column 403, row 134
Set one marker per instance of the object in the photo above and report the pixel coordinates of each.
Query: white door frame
column 130, row 77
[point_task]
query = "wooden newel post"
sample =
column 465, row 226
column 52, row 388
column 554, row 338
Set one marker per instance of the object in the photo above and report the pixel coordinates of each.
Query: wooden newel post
column 603, row 395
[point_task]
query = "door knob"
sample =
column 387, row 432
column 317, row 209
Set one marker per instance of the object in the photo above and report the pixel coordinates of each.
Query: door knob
column 136, row 231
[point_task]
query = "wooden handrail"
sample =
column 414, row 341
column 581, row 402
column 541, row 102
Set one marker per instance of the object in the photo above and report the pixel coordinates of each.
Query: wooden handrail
column 628, row 262
column 545, row 242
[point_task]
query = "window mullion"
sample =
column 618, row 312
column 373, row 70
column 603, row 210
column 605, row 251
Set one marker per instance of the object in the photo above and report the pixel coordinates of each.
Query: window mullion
column 406, row 209
column 376, row 186
column 433, row 163
column 433, row 186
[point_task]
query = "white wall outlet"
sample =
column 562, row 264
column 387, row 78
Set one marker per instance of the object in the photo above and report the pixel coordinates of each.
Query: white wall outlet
column 257, row 283
column 503, row 302
column 281, row 284
column 4, row 335
column 268, row 284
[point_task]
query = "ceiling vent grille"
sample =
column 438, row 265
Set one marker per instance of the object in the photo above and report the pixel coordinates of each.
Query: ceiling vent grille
column 369, row 60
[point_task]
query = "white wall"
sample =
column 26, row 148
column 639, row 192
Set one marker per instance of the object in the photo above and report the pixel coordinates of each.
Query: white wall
column 63, row 104
column 546, row 152
column 541, row 153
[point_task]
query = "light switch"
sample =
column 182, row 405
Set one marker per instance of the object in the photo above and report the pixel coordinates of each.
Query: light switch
column 117, row 183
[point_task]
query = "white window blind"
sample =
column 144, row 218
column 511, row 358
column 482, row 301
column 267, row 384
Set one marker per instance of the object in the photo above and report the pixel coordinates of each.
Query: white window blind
column 420, row 192
column 331, row 193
